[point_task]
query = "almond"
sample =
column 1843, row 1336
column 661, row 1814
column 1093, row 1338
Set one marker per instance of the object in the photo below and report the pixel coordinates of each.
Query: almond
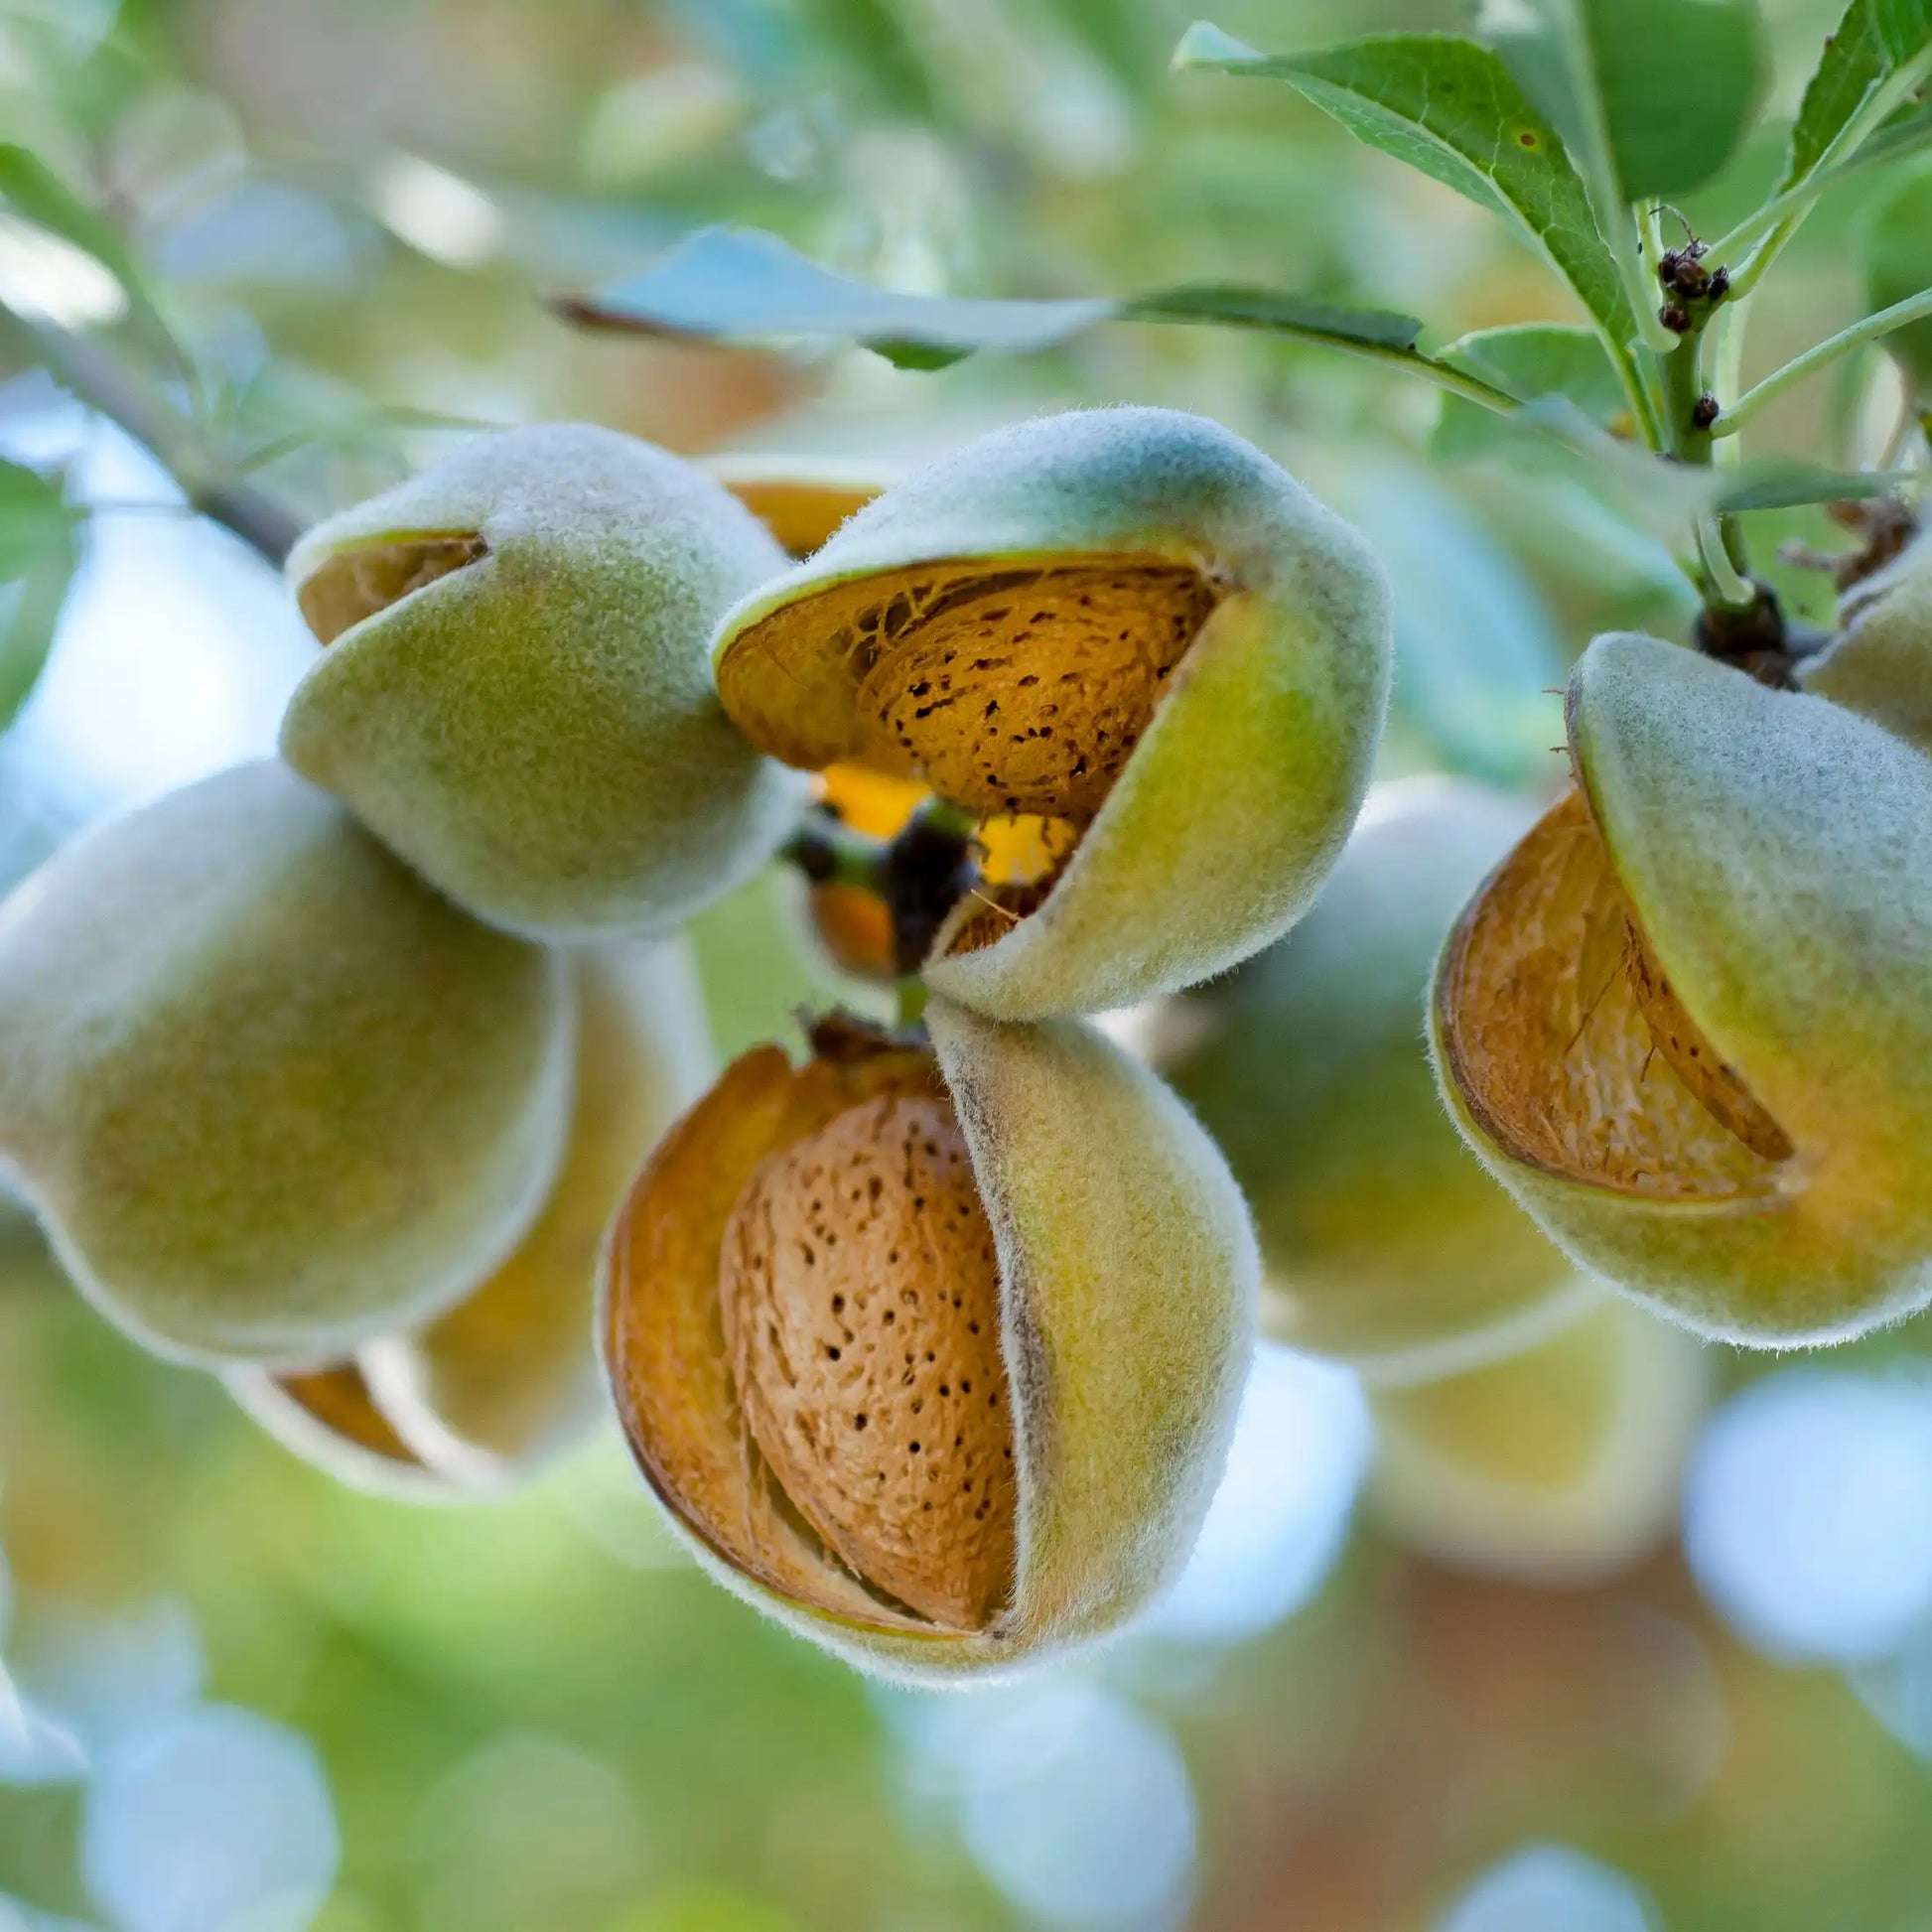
column 932, row 1350
column 860, row 1293
column 1090, row 622
column 1688, row 1021
column 515, row 696
column 271, row 1095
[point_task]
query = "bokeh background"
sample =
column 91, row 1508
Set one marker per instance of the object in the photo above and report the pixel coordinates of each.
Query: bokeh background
column 238, row 1697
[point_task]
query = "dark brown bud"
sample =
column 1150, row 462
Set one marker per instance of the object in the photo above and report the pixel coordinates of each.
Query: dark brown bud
column 1676, row 317
column 1705, row 411
column 1690, row 277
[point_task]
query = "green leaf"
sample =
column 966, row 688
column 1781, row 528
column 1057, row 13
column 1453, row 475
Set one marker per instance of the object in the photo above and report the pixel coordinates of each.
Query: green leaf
column 32, row 191
column 1676, row 82
column 1664, row 497
column 1783, row 482
column 1529, row 38
column 32, row 514
column 1680, row 81
column 39, row 551
column 737, row 285
column 1528, row 360
column 1897, row 258
column 1449, row 108
column 1875, row 40
column 1246, row 308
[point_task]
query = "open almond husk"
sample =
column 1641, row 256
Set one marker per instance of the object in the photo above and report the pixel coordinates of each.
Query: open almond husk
column 1687, row 1023
column 330, row 1420
column 932, row 1351
column 1881, row 663
column 516, row 694
column 1125, row 627
column 1384, row 1242
column 1558, row 1465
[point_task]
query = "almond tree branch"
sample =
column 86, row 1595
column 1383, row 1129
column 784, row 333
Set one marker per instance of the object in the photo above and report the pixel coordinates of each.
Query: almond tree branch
column 100, row 380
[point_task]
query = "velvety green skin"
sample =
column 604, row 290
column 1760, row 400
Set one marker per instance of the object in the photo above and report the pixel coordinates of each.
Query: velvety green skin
column 1386, row 1245
column 1778, row 851
column 1218, row 833
column 1881, row 665
column 270, row 1094
column 1127, row 1279
column 537, row 733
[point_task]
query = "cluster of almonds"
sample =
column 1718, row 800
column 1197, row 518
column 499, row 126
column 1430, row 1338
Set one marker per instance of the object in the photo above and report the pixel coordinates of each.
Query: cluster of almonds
column 357, row 1075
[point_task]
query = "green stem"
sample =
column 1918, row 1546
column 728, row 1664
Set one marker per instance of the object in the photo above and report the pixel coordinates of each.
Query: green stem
column 102, row 382
column 1731, row 533
column 1458, row 381
column 1719, row 574
column 1798, row 202
column 1645, row 392
column 1880, row 108
column 1915, row 308
column 1726, row 332
column 1683, row 376
column 1722, row 585
column 1606, row 197
column 912, row 999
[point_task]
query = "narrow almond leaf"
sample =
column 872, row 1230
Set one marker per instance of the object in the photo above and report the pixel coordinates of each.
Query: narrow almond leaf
column 39, row 551
column 1782, row 482
column 737, row 285
column 1452, row 108
column 1874, row 40
column 1664, row 497
column 740, row 284
column 1246, row 308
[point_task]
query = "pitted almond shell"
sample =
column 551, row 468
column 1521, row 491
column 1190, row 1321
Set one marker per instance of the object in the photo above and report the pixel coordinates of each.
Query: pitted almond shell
column 1386, row 1244
column 1687, row 1023
column 328, row 1418
column 801, row 500
column 1123, row 1281
column 497, row 1389
column 1126, row 620
column 860, row 1294
column 269, row 1093
column 516, row 694
column 1558, row 1465
column 1881, row 665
